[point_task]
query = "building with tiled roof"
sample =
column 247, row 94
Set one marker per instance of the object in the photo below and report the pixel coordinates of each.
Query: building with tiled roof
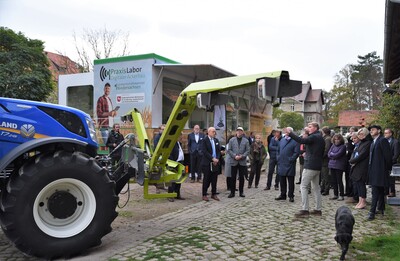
column 354, row 118
column 61, row 64
column 308, row 103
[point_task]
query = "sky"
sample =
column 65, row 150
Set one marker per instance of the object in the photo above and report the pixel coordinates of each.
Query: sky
column 312, row 39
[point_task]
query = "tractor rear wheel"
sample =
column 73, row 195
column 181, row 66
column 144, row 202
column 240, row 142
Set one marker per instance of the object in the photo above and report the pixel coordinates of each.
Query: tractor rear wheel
column 58, row 205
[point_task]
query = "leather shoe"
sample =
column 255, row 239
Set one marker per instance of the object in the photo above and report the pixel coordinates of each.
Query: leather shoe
column 291, row 199
column 280, row 198
column 298, row 182
column 231, row 195
column 242, row 195
column 370, row 216
column 180, row 198
column 302, row 214
column 171, row 200
column 316, row 212
column 267, row 188
column 214, row 197
column 205, row 198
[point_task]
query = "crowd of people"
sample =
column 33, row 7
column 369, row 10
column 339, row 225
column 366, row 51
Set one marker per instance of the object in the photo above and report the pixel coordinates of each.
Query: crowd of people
column 363, row 158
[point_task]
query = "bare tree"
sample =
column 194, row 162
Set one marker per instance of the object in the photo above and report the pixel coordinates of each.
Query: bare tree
column 100, row 44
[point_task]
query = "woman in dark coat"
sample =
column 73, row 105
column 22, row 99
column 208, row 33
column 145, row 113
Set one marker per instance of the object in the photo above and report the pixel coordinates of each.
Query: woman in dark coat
column 257, row 156
column 337, row 164
column 359, row 165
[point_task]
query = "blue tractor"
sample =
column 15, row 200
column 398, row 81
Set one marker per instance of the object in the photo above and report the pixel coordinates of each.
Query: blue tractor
column 56, row 199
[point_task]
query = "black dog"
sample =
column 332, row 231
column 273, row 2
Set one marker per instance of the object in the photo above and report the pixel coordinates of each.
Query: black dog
column 344, row 222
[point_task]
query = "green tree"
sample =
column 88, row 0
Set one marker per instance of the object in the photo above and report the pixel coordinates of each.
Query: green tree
column 342, row 96
column 357, row 87
column 291, row 119
column 24, row 71
column 367, row 78
column 389, row 112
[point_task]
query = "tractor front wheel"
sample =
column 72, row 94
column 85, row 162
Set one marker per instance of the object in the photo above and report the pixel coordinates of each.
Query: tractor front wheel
column 59, row 205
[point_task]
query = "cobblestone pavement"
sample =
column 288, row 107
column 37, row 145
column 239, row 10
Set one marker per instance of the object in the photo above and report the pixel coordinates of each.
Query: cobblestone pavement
column 256, row 227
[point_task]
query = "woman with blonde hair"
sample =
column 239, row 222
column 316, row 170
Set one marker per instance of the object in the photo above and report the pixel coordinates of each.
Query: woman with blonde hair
column 359, row 166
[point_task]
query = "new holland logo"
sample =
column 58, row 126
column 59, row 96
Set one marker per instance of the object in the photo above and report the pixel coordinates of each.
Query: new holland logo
column 27, row 131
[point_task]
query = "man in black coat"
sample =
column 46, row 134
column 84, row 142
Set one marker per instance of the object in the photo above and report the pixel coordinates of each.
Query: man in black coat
column 194, row 142
column 158, row 135
column 394, row 148
column 380, row 163
column 315, row 146
column 211, row 151
column 176, row 155
column 113, row 140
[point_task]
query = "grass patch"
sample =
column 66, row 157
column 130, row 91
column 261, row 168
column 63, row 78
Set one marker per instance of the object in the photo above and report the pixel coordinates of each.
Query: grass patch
column 216, row 246
column 126, row 214
column 165, row 247
column 194, row 229
column 383, row 247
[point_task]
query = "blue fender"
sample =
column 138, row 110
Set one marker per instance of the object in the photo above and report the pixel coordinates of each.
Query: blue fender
column 35, row 143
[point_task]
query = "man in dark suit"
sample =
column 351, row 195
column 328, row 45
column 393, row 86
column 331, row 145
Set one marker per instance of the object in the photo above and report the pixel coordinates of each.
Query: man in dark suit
column 251, row 138
column 211, row 152
column 238, row 150
column 380, row 163
column 158, row 136
column 194, row 140
column 287, row 154
column 394, row 148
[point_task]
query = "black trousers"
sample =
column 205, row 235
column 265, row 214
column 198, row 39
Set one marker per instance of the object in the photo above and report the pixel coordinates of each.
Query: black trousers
column 378, row 199
column 242, row 172
column 285, row 181
column 271, row 168
column 255, row 170
column 337, row 182
column 195, row 159
column 209, row 178
column 174, row 187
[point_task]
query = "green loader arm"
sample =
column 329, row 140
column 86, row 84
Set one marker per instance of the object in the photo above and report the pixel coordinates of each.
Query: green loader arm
column 160, row 169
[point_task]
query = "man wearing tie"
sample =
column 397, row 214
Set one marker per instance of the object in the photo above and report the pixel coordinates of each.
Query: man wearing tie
column 211, row 152
column 194, row 141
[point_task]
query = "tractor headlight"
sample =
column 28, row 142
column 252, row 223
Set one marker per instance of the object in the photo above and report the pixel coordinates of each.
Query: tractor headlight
column 92, row 130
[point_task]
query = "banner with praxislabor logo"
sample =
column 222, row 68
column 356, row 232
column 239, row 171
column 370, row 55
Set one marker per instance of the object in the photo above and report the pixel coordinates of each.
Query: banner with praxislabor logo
column 121, row 86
